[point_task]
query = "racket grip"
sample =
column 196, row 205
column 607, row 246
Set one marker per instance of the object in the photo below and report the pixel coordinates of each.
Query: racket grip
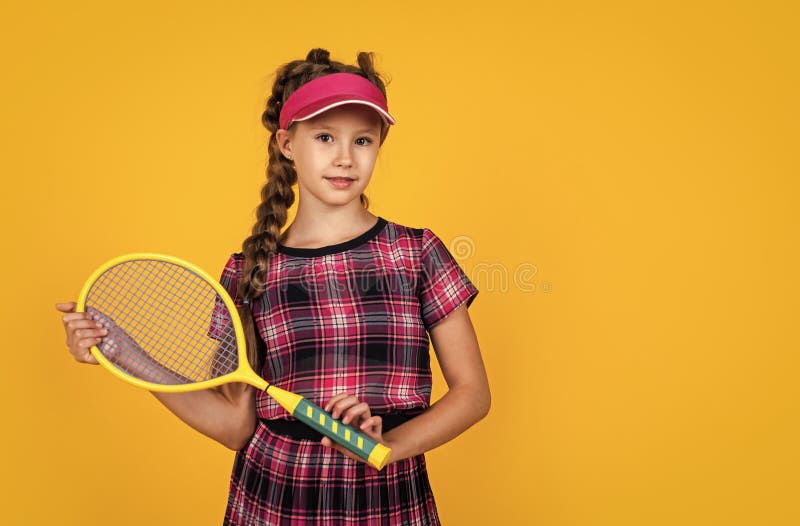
column 374, row 453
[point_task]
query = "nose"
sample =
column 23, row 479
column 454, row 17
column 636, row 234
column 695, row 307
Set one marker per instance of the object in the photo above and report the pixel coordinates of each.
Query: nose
column 344, row 157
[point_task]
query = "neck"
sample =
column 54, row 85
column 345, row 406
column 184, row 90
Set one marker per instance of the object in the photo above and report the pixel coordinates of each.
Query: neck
column 327, row 226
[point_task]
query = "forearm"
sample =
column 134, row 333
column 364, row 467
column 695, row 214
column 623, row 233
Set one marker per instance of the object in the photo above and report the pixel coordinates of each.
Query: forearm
column 145, row 368
column 230, row 420
column 459, row 409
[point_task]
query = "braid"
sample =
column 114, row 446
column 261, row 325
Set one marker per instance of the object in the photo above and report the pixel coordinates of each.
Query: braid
column 277, row 195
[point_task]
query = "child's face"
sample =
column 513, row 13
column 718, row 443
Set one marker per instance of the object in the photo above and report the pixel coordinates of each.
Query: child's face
column 341, row 142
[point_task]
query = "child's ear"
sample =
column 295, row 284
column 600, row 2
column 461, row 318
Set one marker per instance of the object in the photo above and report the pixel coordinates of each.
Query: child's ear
column 283, row 139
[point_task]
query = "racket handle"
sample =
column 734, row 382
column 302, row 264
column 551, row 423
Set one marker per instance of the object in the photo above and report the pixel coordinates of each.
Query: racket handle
column 374, row 453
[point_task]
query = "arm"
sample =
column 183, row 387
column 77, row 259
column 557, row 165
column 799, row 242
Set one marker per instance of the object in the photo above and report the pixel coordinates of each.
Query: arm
column 121, row 349
column 226, row 414
column 466, row 402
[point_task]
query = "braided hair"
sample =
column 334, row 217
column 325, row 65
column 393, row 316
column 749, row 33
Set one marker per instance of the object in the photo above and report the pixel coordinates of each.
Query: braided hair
column 277, row 195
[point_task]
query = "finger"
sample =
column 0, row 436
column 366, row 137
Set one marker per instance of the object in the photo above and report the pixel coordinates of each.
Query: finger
column 81, row 350
column 86, row 332
column 72, row 316
column 67, row 306
column 86, row 343
column 373, row 426
column 73, row 327
column 335, row 399
column 89, row 332
column 71, row 324
column 342, row 405
column 356, row 413
column 87, row 357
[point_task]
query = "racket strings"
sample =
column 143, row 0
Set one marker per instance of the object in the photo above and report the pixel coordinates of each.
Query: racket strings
column 166, row 324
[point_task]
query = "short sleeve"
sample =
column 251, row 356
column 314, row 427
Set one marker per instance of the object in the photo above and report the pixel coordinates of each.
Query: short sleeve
column 443, row 286
column 220, row 325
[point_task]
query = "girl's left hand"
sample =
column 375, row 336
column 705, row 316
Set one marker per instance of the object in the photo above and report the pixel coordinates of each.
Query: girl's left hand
column 355, row 414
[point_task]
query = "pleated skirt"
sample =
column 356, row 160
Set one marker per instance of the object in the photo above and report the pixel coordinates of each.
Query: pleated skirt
column 278, row 480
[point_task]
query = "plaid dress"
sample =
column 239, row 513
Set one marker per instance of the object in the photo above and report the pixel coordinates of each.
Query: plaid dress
column 350, row 317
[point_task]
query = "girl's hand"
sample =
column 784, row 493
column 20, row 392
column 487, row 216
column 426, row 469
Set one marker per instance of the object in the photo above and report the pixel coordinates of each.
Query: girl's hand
column 82, row 332
column 355, row 414
column 85, row 329
column 123, row 351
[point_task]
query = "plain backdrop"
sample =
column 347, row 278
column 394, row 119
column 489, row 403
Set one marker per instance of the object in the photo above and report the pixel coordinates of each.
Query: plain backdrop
column 619, row 179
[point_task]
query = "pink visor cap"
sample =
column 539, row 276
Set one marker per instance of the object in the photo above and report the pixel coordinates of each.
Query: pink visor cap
column 328, row 91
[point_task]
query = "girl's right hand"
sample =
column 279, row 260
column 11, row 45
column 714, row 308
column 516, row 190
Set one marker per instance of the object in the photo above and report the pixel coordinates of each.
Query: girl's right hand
column 82, row 332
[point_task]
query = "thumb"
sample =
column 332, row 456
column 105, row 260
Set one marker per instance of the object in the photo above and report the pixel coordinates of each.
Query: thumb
column 344, row 451
column 66, row 307
column 327, row 442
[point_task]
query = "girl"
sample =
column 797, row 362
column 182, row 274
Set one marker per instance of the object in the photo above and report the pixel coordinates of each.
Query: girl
column 340, row 307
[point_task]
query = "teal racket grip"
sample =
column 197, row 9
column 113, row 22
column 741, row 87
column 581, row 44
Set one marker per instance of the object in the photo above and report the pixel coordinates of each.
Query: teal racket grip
column 374, row 453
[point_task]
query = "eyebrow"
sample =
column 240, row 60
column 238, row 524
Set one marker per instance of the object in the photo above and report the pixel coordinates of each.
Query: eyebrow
column 333, row 128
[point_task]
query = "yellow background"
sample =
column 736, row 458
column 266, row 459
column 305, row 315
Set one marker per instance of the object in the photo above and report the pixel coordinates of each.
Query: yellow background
column 626, row 173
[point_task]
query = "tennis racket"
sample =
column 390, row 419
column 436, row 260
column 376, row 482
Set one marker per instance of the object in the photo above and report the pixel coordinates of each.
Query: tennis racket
column 174, row 328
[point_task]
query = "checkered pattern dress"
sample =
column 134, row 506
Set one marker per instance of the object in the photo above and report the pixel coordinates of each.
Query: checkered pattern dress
column 351, row 317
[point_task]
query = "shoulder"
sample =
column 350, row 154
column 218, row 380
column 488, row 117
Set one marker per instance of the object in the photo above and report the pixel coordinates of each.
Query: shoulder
column 417, row 237
column 235, row 260
column 233, row 266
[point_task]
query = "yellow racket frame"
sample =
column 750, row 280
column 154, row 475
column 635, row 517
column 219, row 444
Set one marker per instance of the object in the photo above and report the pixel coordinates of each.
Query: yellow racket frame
column 375, row 453
column 243, row 373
